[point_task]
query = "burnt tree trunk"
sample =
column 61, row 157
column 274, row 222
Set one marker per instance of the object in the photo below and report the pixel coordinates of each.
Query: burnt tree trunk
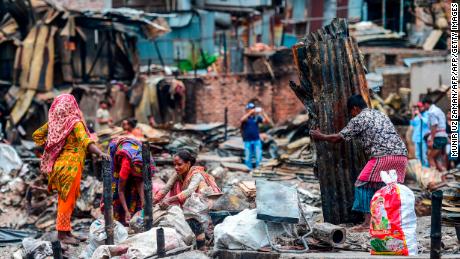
column 330, row 70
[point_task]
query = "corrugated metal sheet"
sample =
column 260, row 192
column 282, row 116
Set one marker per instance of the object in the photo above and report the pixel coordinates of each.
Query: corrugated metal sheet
column 331, row 70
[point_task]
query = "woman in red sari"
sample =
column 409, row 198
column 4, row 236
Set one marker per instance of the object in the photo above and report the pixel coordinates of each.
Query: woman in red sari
column 189, row 179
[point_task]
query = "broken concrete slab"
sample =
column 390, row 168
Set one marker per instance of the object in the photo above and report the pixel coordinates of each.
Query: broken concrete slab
column 277, row 202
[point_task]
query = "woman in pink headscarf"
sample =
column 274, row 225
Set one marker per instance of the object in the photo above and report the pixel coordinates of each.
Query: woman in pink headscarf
column 66, row 141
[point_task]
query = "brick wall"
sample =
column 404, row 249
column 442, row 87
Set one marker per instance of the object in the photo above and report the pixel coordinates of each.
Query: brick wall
column 207, row 98
column 375, row 57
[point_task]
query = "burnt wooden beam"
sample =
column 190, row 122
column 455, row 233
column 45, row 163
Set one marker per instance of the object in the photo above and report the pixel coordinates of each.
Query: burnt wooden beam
column 57, row 250
column 147, row 176
column 436, row 234
column 161, row 250
column 330, row 70
column 108, row 198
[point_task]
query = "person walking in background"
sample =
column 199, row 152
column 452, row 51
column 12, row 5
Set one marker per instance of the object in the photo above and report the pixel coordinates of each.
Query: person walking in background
column 251, row 135
column 381, row 142
column 103, row 118
column 66, row 140
column 419, row 125
column 437, row 137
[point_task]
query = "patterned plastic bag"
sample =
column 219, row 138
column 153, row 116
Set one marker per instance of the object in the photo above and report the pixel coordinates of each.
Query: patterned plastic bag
column 393, row 220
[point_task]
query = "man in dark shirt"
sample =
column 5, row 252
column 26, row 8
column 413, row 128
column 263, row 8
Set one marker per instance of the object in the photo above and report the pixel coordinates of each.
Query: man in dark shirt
column 250, row 130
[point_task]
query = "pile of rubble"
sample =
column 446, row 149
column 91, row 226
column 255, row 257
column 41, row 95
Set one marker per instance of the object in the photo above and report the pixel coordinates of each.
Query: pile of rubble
column 288, row 161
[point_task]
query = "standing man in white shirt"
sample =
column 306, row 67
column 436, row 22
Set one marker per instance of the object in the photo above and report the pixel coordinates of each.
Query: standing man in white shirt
column 437, row 138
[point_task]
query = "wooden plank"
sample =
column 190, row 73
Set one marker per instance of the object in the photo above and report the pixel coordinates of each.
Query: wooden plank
column 432, row 40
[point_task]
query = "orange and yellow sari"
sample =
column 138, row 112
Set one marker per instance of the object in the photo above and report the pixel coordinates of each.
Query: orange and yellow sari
column 64, row 161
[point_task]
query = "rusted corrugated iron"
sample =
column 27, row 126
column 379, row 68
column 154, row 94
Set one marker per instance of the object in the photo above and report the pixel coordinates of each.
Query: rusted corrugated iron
column 330, row 70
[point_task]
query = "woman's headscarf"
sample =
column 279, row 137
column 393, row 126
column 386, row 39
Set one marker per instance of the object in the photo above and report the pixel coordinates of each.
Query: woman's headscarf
column 62, row 117
column 130, row 148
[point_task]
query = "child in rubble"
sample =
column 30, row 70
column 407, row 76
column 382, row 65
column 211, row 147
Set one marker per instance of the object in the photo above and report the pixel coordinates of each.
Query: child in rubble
column 103, row 118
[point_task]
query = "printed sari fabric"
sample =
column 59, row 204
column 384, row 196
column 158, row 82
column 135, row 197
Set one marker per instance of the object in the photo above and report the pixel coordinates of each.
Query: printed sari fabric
column 196, row 181
column 67, row 170
column 70, row 161
column 63, row 115
column 126, row 155
column 66, row 140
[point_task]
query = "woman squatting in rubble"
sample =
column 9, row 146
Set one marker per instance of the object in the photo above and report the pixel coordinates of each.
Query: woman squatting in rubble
column 381, row 143
column 189, row 179
column 127, row 179
column 66, row 140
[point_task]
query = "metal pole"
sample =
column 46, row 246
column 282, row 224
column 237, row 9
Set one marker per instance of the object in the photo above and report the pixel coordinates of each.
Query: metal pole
column 110, row 54
column 384, row 13
column 226, row 123
column 436, row 201
column 57, row 250
column 421, row 136
column 147, row 175
column 401, row 16
column 457, row 232
column 148, row 66
column 160, row 57
column 107, row 193
column 161, row 251
column 225, row 53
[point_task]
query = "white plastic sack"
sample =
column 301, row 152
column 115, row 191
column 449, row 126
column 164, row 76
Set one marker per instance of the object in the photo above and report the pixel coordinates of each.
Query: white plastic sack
column 196, row 207
column 9, row 159
column 174, row 218
column 142, row 245
column 393, row 220
column 243, row 231
column 39, row 249
column 97, row 236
